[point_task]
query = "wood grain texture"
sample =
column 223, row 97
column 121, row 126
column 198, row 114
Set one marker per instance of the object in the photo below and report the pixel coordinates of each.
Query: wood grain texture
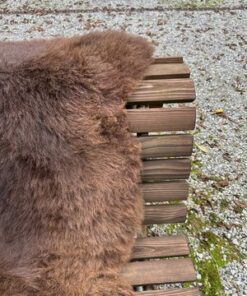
column 159, row 271
column 167, row 71
column 167, row 80
column 155, row 247
column 166, row 146
column 167, row 191
column 158, row 170
column 164, row 90
column 171, row 292
column 161, row 119
column 161, row 214
column 168, row 60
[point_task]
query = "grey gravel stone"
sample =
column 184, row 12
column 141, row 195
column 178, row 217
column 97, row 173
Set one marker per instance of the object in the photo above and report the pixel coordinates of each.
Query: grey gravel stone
column 237, row 271
column 117, row 4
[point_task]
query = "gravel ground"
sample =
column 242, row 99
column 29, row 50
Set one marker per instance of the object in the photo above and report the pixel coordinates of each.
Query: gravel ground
column 214, row 44
column 92, row 4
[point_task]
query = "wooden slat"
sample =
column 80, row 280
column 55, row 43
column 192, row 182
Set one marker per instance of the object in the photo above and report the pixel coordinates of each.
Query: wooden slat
column 167, row 191
column 159, row 271
column 155, row 247
column 164, row 90
column 166, row 146
column 171, row 292
column 168, row 60
column 160, row 214
column 161, row 119
column 156, row 170
column 161, row 71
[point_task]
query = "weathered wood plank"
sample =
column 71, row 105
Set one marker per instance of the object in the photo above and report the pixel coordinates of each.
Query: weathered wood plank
column 166, row 146
column 161, row 214
column 171, row 292
column 155, row 247
column 167, row 191
column 168, row 60
column 164, row 90
column 161, row 119
column 155, row 91
column 167, row 71
column 159, row 271
column 165, row 169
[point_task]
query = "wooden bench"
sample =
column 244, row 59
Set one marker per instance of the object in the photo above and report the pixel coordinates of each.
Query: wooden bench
column 166, row 166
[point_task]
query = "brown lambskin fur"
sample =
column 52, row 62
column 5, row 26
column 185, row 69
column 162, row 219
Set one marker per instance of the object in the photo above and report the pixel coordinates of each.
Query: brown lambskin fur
column 70, row 203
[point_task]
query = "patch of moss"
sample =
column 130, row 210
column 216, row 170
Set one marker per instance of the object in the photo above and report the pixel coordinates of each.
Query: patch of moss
column 221, row 250
column 210, row 278
column 175, row 202
column 194, row 4
column 186, row 285
column 206, row 267
column 202, row 199
column 170, row 229
column 214, row 220
column 212, row 253
column 196, row 168
column 224, row 204
column 194, row 223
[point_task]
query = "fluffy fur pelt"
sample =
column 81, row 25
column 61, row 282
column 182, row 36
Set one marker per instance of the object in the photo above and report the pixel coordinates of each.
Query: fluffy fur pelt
column 70, row 203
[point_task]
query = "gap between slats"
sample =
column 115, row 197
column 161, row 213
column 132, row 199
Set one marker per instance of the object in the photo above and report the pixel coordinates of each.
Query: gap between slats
column 159, row 271
column 156, row 247
column 161, row 214
column 171, row 292
column 161, row 119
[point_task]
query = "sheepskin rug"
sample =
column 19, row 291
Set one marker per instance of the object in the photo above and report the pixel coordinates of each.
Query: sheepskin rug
column 70, row 203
